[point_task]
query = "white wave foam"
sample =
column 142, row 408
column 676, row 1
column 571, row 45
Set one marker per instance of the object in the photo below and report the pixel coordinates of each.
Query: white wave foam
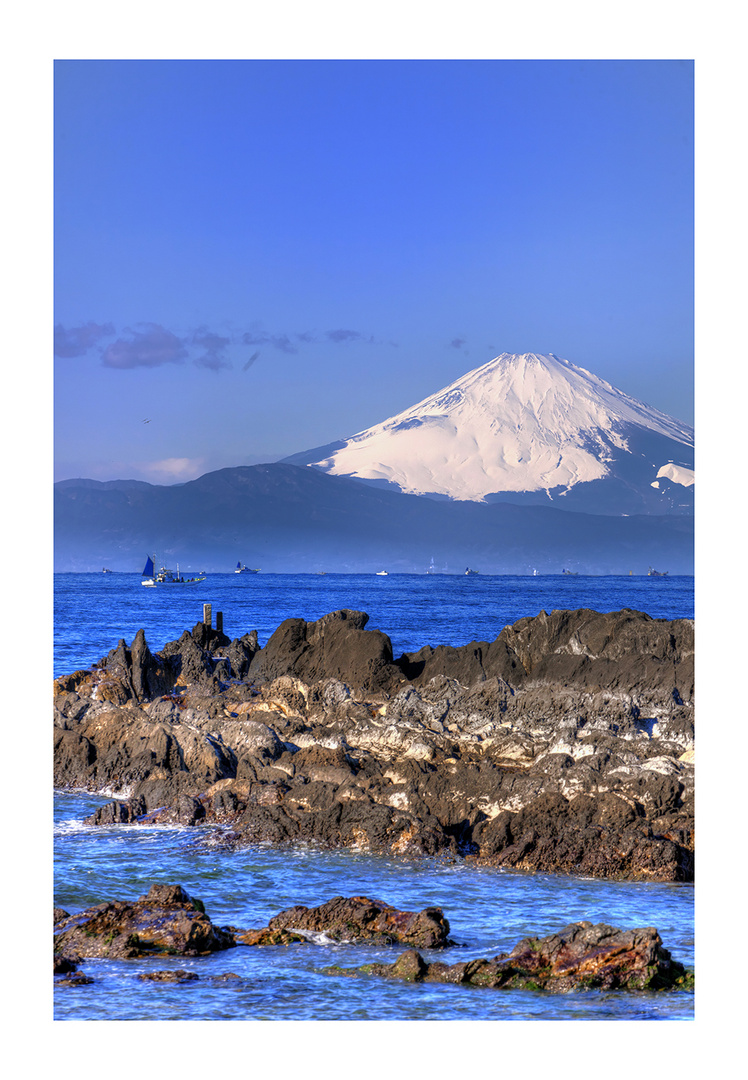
column 317, row 937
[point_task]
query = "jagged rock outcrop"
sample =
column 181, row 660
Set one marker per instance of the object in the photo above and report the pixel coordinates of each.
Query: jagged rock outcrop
column 567, row 744
column 165, row 921
column 337, row 646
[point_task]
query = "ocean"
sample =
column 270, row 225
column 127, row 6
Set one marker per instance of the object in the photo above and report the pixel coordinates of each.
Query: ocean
column 489, row 910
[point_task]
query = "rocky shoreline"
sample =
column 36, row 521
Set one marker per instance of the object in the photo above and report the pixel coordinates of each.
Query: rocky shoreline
column 564, row 745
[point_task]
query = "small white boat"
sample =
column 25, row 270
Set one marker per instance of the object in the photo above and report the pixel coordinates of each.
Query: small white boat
column 381, row 573
column 242, row 569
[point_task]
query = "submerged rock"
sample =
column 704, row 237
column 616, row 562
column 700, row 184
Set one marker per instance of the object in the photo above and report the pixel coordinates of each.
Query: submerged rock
column 579, row 957
column 178, row 975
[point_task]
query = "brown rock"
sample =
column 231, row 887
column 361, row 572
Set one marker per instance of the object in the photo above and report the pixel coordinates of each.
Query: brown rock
column 581, row 956
column 355, row 918
column 167, row 920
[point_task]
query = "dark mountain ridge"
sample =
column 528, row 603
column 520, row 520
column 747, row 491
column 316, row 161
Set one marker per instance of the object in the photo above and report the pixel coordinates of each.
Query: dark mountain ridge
column 288, row 518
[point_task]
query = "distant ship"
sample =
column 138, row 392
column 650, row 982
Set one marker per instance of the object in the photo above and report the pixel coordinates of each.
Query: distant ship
column 382, row 573
column 657, row 573
column 242, row 569
column 468, row 571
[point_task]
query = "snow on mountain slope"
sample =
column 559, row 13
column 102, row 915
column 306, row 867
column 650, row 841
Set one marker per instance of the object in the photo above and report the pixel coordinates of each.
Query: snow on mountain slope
column 676, row 473
column 520, row 423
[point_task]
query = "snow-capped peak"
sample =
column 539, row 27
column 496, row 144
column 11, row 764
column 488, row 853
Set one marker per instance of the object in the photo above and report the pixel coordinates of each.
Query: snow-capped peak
column 520, row 423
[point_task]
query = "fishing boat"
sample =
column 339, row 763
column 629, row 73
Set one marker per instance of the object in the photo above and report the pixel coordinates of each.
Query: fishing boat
column 242, row 569
column 164, row 576
column 382, row 573
column 106, row 570
column 468, row 571
column 571, row 573
column 657, row 573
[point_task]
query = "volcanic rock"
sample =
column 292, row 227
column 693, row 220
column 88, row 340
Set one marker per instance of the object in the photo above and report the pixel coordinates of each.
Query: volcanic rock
column 579, row 957
column 356, row 918
column 166, row 920
column 565, row 745
column 337, row 646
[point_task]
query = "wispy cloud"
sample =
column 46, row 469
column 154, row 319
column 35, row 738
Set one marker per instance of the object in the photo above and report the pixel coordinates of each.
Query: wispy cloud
column 79, row 339
column 173, row 469
column 215, row 347
column 278, row 341
column 152, row 346
column 346, row 336
column 286, row 342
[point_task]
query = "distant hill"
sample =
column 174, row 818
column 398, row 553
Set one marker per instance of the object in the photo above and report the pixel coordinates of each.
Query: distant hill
column 291, row 518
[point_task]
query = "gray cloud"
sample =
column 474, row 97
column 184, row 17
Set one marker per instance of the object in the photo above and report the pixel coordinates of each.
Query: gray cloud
column 150, row 347
column 340, row 336
column 215, row 349
column 79, row 339
column 306, row 337
column 278, row 341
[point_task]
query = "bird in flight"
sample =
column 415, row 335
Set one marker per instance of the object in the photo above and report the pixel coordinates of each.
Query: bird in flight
column 146, row 421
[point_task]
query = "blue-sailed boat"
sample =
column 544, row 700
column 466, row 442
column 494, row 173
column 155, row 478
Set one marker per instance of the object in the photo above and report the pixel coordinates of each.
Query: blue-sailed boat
column 164, row 576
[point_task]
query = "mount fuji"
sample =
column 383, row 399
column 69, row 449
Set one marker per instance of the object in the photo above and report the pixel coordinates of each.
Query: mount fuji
column 439, row 481
column 526, row 428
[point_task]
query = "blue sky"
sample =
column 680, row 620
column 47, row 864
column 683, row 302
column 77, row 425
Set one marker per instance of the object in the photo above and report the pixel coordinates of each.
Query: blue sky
column 258, row 257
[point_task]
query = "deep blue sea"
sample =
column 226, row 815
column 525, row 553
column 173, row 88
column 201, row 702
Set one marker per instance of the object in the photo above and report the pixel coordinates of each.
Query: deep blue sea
column 489, row 910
